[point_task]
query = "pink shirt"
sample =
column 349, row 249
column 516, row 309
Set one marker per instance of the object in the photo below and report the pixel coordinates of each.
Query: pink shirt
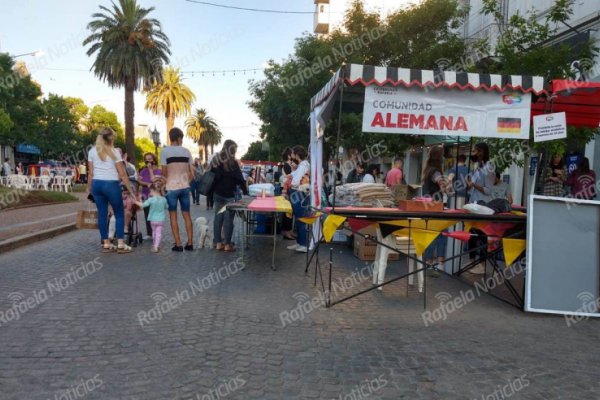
column 394, row 177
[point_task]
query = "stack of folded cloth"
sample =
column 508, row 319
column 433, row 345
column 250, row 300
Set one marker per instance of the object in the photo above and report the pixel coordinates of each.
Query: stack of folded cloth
column 363, row 195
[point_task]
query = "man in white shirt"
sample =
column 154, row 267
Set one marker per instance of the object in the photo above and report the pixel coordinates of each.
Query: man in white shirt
column 178, row 168
column 6, row 169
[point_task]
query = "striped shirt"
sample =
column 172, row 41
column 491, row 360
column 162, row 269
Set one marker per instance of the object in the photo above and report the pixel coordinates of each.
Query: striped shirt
column 178, row 161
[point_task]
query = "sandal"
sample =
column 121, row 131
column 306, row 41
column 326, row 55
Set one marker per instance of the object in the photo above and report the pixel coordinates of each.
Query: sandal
column 124, row 249
column 229, row 248
column 219, row 247
column 108, row 249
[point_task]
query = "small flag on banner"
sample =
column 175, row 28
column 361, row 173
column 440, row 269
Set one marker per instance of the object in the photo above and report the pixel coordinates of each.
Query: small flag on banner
column 509, row 125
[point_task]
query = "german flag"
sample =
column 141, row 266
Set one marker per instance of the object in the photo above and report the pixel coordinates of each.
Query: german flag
column 509, row 125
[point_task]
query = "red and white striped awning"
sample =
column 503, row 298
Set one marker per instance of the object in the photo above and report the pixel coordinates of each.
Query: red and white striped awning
column 366, row 75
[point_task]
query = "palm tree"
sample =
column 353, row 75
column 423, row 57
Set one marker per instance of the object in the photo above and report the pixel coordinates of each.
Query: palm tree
column 170, row 97
column 131, row 51
column 203, row 130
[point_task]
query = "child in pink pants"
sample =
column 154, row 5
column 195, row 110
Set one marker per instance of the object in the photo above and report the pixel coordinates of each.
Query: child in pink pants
column 156, row 215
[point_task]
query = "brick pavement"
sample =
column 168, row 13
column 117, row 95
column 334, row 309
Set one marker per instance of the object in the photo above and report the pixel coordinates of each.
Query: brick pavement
column 226, row 340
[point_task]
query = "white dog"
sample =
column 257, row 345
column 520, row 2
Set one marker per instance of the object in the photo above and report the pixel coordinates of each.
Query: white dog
column 203, row 232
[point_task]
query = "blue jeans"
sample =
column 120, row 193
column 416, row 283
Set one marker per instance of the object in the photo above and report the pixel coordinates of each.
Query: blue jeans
column 195, row 188
column 179, row 195
column 105, row 193
column 223, row 224
column 437, row 248
column 300, row 203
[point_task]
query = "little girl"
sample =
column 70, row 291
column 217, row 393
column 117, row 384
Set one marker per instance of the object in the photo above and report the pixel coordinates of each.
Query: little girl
column 156, row 214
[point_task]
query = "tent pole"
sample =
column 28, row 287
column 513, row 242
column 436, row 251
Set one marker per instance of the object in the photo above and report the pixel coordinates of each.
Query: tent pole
column 546, row 157
column 455, row 195
column 469, row 168
column 339, row 130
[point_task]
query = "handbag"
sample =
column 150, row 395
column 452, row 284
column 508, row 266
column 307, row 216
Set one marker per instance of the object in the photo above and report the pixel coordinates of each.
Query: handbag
column 207, row 183
column 87, row 219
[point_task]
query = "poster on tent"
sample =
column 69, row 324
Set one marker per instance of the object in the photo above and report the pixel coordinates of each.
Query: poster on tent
column 415, row 111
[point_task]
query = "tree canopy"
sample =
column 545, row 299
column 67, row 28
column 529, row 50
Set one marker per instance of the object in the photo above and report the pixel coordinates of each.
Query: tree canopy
column 416, row 37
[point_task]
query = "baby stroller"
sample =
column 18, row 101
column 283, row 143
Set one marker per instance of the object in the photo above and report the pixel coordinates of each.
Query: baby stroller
column 133, row 236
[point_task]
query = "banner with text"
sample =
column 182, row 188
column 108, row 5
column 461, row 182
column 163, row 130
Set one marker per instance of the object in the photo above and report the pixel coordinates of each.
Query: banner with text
column 549, row 127
column 443, row 111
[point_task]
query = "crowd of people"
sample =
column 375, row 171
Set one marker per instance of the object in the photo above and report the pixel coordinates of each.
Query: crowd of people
column 170, row 186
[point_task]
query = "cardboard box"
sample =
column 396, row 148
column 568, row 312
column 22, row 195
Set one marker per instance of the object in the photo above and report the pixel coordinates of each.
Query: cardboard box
column 365, row 250
column 404, row 192
column 413, row 205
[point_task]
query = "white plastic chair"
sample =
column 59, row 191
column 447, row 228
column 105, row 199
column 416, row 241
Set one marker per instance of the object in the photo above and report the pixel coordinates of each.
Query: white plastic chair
column 403, row 246
column 43, row 182
column 68, row 183
column 20, row 182
column 58, row 183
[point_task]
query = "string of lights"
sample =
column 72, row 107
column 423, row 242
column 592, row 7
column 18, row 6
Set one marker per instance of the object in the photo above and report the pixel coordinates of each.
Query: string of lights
column 216, row 72
column 206, row 3
column 224, row 72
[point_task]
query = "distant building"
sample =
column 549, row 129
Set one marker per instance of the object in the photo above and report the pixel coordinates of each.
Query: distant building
column 329, row 14
column 583, row 25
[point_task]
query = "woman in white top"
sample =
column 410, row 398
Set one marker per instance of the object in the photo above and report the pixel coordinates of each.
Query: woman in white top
column 371, row 174
column 106, row 174
column 300, row 200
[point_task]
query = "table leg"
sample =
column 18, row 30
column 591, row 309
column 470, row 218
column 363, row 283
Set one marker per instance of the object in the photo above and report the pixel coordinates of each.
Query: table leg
column 273, row 267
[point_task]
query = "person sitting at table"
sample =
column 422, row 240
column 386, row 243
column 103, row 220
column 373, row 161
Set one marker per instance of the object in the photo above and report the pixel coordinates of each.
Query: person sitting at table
column 356, row 175
column 501, row 190
column 556, row 175
column 371, row 174
column 435, row 185
column 228, row 176
column 583, row 181
column 480, row 188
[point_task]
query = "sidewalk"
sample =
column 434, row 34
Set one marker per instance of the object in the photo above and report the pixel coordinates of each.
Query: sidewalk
column 29, row 220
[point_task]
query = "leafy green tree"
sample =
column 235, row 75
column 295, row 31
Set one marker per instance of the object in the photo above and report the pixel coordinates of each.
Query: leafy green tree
column 170, row 97
column 20, row 105
column 422, row 36
column 59, row 136
column 255, row 152
column 524, row 48
column 130, row 49
column 203, row 130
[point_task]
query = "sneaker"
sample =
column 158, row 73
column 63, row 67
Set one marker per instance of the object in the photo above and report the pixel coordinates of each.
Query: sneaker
column 478, row 270
column 154, row 249
column 147, row 237
column 301, row 249
column 293, row 247
column 176, row 248
column 189, row 247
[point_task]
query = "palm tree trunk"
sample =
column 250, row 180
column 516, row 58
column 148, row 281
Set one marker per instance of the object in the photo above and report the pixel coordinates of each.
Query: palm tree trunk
column 212, row 148
column 170, row 124
column 129, row 116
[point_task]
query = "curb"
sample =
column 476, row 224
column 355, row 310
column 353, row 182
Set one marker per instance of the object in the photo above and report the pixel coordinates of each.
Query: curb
column 37, row 205
column 24, row 240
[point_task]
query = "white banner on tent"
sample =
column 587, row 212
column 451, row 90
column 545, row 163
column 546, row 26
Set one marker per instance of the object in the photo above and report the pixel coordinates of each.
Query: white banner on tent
column 441, row 111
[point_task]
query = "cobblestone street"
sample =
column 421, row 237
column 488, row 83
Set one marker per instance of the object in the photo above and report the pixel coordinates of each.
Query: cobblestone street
column 85, row 324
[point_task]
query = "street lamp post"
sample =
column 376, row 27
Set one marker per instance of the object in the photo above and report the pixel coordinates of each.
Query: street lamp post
column 37, row 53
column 156, row 139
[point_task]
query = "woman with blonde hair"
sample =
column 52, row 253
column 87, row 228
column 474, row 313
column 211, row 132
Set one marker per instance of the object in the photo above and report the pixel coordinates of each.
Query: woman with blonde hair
column 106, row 173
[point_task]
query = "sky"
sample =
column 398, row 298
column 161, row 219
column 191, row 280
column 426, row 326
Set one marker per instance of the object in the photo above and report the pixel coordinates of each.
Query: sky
column 202, row 38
